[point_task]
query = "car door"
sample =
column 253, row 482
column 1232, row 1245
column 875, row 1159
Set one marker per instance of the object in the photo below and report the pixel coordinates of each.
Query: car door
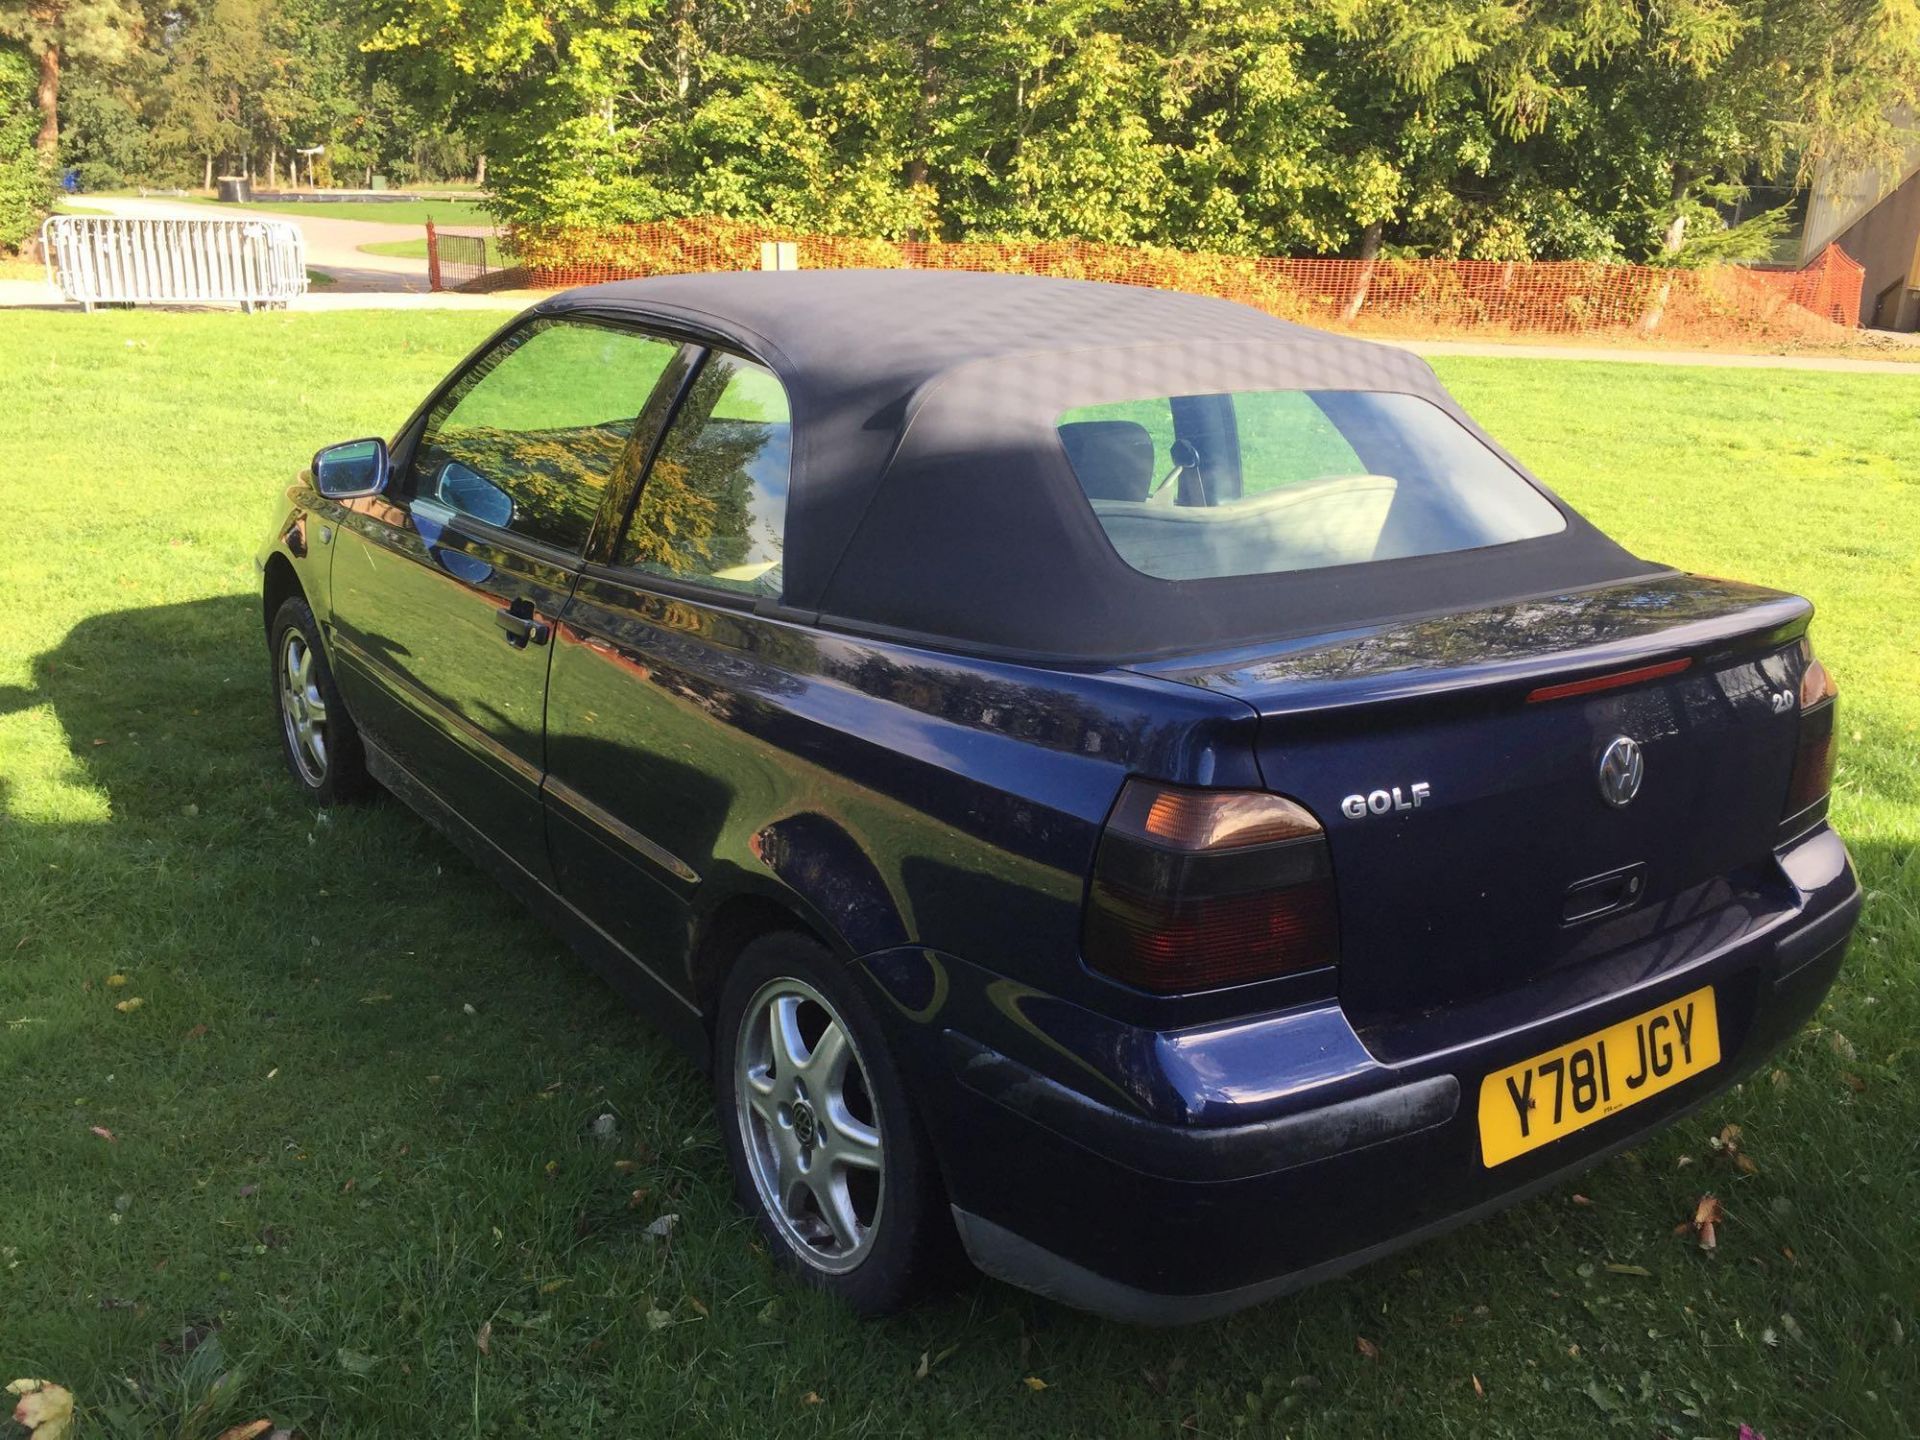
column 445, row 589
column 657, row 662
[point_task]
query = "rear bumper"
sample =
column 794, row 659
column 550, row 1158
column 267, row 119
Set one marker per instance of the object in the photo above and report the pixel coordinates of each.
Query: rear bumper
column 1090, row 1199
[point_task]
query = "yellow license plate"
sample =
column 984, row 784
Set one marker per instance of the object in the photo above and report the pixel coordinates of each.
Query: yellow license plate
column 1537, row 1101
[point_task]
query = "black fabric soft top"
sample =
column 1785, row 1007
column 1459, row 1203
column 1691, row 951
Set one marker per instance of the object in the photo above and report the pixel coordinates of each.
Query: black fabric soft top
column 931, row 496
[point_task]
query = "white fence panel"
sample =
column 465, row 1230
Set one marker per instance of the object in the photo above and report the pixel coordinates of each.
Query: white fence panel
column 109, row 260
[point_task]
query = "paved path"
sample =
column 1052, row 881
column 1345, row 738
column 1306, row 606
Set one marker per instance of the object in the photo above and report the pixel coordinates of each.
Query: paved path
column 1860, row 364
column 386, row 281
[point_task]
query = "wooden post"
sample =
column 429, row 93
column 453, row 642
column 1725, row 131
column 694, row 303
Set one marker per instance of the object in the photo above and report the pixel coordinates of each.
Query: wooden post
column 433, row 257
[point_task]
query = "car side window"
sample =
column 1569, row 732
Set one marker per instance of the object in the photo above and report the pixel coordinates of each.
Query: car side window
column 713, row 506
column 529, row 438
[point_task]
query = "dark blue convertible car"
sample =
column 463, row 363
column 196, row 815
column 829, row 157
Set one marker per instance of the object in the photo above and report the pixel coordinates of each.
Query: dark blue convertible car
column 1145, row 794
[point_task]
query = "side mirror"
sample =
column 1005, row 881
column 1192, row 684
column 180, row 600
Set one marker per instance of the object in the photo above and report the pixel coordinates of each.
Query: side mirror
column 471, row 493
column 350, row 470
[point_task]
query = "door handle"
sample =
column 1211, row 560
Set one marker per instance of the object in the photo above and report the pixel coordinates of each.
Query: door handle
column 520, row 626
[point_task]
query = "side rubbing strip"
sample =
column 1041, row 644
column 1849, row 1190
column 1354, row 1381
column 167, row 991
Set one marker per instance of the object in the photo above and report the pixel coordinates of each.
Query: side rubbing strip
column 620, row 831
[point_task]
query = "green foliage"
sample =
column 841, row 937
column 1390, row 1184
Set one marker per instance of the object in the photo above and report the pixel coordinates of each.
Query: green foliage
column 1708, row 240
column 25, row 188
column 1593, row 129
column 1568, row 128
column 102, row 133
column 239, row 85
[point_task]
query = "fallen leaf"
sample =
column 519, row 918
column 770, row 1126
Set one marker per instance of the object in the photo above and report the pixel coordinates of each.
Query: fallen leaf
column 105, row 1134
column 920, row 1370
column 811, row 1398
column 114, row 982
column 1366, row 1347
column 635, row 1200
column 1613, row 1269
column 1479, row 1390
column 250, row 1431
column 1581, row 1200
column 128, row 1006
column 1853, row 1082
column 196, row 1032
column 626, row 1167
column 662, row 1227
column 45, row 1408
column 1841, row 1046
column 699, row 1309
column 659, row 1319
column 1034, row 1382
column 1706, row 1215
column 483, row 1337
column 1604, row 1400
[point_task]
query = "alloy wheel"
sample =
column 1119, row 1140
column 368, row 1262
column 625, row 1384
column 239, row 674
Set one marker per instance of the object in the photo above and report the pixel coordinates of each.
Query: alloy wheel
column 303, row 709
column 809, row 1125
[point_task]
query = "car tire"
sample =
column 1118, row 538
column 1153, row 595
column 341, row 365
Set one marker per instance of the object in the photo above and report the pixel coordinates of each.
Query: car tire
column 792, row 1124
column 317, row 736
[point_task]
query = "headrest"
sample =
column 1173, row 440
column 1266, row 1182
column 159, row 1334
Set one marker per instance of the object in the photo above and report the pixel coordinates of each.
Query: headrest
column 1113, row 458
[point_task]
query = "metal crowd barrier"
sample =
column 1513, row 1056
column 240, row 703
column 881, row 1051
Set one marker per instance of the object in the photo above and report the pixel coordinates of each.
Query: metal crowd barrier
column 112, row 260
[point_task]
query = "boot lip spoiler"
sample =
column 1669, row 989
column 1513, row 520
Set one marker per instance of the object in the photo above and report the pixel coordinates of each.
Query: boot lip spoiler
column 1522, row 644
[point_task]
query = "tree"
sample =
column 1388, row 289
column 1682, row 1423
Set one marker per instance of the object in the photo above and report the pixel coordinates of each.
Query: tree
column 1644, row 114
column 100, row 31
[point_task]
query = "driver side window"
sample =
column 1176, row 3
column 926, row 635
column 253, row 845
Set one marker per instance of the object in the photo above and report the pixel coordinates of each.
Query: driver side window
column 528, row 440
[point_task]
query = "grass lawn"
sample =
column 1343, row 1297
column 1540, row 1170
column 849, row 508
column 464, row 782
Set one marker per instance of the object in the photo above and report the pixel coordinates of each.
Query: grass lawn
column 380, row 212
column 405, row 249
column 344, row 1131
column 497, row 249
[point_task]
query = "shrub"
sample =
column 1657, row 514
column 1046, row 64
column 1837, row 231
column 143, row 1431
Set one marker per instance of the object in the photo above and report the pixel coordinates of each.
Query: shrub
column 26, row 190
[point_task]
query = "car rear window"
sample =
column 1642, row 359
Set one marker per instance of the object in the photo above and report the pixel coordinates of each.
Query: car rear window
column 1258, row 482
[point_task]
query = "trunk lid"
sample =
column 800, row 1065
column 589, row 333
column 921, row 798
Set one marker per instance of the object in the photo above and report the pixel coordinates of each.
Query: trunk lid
column 1455, row 762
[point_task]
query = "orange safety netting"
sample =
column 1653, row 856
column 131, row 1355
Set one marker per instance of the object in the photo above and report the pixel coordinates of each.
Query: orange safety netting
column 1425, row 296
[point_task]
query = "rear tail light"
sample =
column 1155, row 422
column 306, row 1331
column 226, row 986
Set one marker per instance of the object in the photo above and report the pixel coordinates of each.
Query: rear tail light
column 1199, row 889
column 1813, row 759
